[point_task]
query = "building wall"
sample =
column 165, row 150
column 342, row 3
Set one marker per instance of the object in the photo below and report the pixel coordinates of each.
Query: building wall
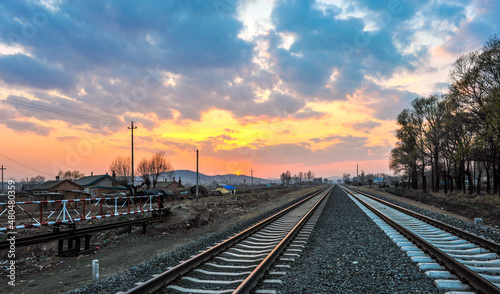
column 172, row 186
column 98, row 192
column 66, row 186
column 104, row 182
column 75, row 195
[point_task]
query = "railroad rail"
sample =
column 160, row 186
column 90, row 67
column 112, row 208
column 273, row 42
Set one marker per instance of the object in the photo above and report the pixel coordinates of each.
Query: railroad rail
column 238, row 264
column 474, row 260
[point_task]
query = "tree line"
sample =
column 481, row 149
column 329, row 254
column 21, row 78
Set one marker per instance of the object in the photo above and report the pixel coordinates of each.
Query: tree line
column 286, row 177
column 149, row 170
column 454, row 139
column 364, row 179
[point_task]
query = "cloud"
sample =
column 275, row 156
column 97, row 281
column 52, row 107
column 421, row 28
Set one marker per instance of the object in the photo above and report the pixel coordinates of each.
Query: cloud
column 26, row 126
column 308, row 113
column 67, row 138
column 97, row 65
column 187, row 57
column 345, row 148
column 329, row 50
column 476, row 29
column 6, row 114
column 363, row 126
column 20, row 69
column 95, row 54
column 57, row 108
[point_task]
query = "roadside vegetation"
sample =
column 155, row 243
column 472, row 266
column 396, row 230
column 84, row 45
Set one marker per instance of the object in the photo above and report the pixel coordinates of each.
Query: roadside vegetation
column 451, row 143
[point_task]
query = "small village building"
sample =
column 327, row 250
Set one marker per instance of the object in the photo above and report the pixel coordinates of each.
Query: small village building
column 172, row 185
column 67, row 188
column 99, row 185
column 226, row 190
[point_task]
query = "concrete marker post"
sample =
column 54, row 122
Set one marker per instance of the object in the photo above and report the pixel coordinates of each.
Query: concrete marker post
column 95, row 269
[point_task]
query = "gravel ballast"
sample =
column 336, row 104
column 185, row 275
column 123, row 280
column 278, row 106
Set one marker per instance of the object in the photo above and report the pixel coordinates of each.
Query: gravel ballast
column 346, row 253
column 143, row 272
column 349, row 253
column 482, row 231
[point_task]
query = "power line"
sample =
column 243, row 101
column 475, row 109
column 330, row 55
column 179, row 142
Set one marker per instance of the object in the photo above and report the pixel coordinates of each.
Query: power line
column 112, row 120
column 31, row 168
column 111, row 117
column 59, row 111
column 10, row 167
column 64, row 105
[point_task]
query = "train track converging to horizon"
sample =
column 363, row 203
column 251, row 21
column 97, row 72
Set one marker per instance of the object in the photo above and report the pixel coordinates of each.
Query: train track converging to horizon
column 239, row 264
column 457, row 260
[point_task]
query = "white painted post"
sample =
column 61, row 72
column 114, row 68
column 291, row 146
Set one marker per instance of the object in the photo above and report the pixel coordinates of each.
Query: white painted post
column 95, row 269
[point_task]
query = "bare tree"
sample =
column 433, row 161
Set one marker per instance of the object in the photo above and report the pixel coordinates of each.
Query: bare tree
column 37, row 179
column 70, row 175
column 159, row 164
column 144, row 170
column 286, row 177
column 346, row 178
column 121, row 167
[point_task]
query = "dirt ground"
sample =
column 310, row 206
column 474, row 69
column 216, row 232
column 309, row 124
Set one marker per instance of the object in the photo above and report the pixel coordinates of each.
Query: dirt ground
column 40, row 271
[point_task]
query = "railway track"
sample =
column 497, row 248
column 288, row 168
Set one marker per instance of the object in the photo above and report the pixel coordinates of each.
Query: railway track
column 239, row 264
column 458, row 261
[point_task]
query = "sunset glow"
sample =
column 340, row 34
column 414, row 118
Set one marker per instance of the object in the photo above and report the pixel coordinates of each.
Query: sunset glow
column 263, row 85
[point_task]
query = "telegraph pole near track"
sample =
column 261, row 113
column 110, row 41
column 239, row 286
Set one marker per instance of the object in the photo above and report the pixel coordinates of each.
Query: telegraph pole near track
column 197, row 155
column 132, row 129
column 251, row 172
column 357, row 176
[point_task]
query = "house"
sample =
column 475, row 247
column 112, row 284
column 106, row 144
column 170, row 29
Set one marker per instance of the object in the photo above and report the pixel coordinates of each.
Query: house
column 56, row 186
column 172, row 185
column 226, row 189
column 67, row 188
column 98, row 185
column 28, row 187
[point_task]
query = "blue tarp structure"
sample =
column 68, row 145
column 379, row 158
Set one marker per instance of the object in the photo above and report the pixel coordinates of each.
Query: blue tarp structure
column 229, row 187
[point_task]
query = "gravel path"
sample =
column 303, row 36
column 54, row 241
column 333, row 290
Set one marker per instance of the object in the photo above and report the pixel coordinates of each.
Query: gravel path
column 348, row 253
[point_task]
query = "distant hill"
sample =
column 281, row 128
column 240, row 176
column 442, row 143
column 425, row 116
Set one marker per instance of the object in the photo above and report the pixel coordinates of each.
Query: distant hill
column 334, row 178
column 189, row 178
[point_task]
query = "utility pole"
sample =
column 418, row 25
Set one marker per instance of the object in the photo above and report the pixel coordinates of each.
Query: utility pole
column 357, row 176
column 3, row 168
column 251, row 172
column 197, row 155
column 132, row 129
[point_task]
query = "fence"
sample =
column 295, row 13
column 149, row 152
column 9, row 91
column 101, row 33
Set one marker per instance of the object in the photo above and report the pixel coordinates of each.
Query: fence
column 50, row 212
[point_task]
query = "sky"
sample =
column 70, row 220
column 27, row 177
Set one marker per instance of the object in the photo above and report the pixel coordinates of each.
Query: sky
column 263, row 85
